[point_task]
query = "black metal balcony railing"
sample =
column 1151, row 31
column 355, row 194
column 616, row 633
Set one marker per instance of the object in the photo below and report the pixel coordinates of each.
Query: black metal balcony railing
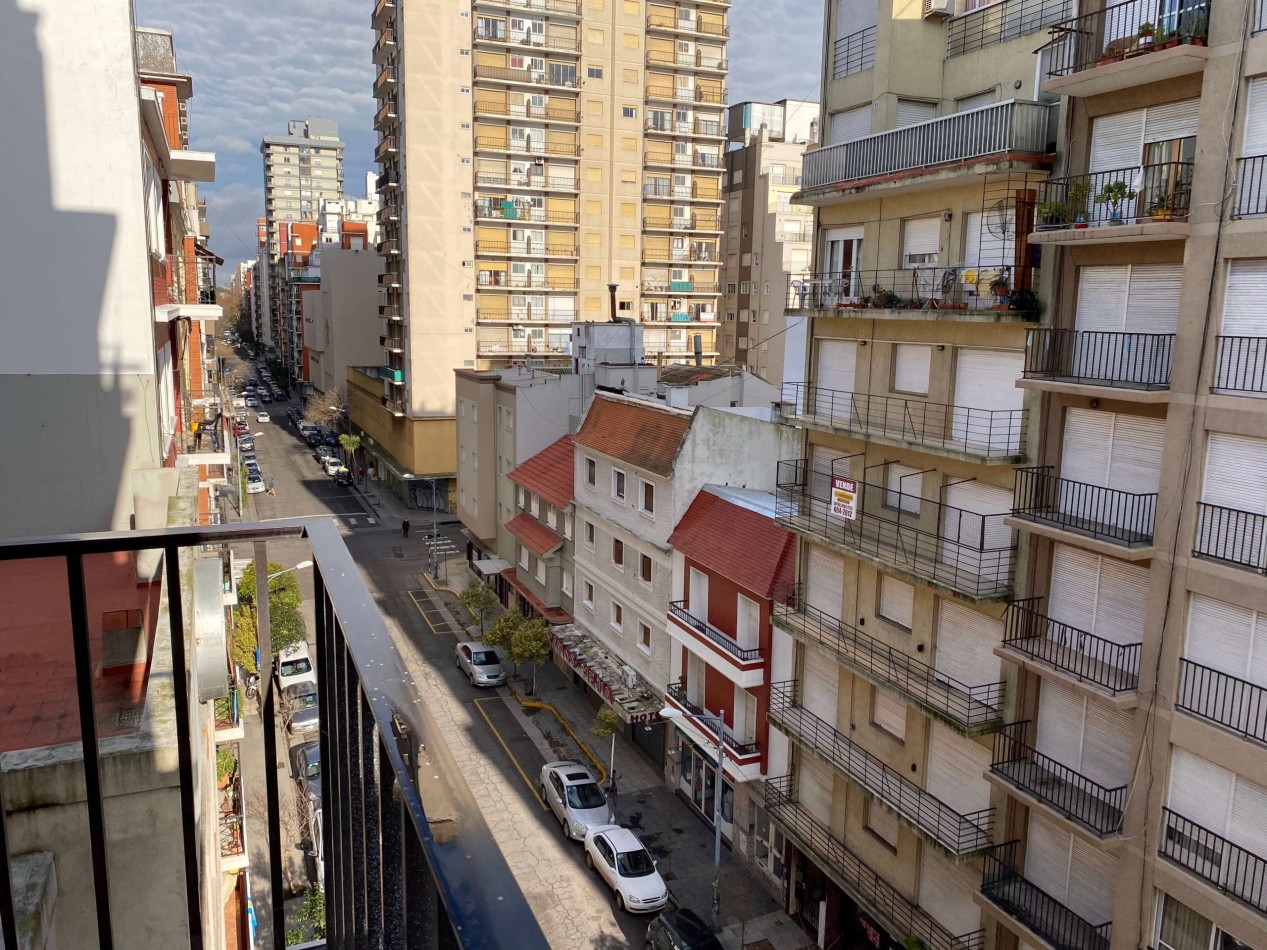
column 1101, row 358
column 978, row 287
column 1160, row 192
column 857, row 878
column 687, row 25
column 1025, row 901
column 1241, row 364
column 1233, row 703
column 963, row 550
column 525, row 147
column 969, row 706
column 1077, row 797
column 552, row 182
column 1251, row 177
column 678, row 692
column 853, row 53
column 1013, row 126
column 706, row 630
column 1000, row 22
column 1107, row 514
column 1113, row 667
column 387, row 873
column 1230, row 535
column 1234, row 870
column 1110, row 34
column 990, row 433
column 957, row 833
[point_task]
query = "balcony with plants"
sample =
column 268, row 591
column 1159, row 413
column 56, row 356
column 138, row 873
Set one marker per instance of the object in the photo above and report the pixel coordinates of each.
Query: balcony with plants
column 1137, row 203
column 1135, row 43
column 231, row 818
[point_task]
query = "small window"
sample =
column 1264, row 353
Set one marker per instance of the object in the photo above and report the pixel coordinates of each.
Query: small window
column 889, row 713
column 629, row 112
column 588, row 598
column 523, row 557
column 644, row 568
column 646, row 504
column 567, row 525
column 589, row 532
column 523, row 498
column 911, row 365
column 745, row 287
column 618, row 615
column 591, row 473
column 730, row 287
column 595, row 72
column 618, row 552
column 882, row 823
column 567, row 583
column 644, row 637
column 618, row 484
column 466, row 91
column 897, row 601
column 541, row 571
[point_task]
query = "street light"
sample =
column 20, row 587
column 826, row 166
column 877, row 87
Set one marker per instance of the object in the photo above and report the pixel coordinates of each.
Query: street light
column 672, row 712
column 302, row 565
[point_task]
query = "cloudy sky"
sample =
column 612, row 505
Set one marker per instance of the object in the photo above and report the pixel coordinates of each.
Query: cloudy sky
column 257, row 64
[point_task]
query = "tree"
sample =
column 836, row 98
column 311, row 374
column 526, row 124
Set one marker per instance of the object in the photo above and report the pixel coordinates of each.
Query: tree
column 530, row 644
column 311, row 916
column 501, row 634
column 327, row 408
column 285, row 622
column 479, row 599
column 351, row 444
column 245, row 637
column 606, row 725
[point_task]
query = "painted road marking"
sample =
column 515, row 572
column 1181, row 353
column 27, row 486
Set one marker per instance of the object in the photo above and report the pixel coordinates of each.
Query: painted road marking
column 514, row 761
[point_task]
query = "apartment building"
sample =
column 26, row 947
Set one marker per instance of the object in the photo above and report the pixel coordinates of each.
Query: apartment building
column 767, row 237
column 301, row 169
column 534, row 154
column 340, row 317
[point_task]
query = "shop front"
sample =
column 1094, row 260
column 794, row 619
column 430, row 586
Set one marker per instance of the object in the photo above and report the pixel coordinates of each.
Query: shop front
column 697, row 781
column 828, row 914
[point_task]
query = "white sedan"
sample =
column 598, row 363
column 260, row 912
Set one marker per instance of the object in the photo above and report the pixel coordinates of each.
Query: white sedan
column 251, row 402
column 626, row 866
column 262, row 417
column 254, row 484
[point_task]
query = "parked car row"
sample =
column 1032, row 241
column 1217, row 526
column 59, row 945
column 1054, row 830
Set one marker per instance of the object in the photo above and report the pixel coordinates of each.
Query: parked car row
column 296, row 680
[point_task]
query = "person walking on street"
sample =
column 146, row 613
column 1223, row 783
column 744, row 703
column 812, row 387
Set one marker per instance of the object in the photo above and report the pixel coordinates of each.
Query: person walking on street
column 404, row 527
column 271, row 489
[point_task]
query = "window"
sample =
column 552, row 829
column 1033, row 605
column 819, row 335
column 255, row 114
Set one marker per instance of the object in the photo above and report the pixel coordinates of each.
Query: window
column 768, row 845
column 588, row 598
column 475, row 461
column 523, row 498
column 618, row 484
column 567, row 525
column 644, row 637
column 730, row 286
column 629, row 112
column 897, row 601
column 644, row 568
column 911, row 365
column 889, row 713
column 618, row 552
column 589, row 532
column 745, row 287
column 618, row 616
column 882, row 823
column 523, row 557
column 921, row 241
column 591, row 473
column 567, row 583
column 541, row 571
column 646, row 504
column 594, row 72
column 904, row 487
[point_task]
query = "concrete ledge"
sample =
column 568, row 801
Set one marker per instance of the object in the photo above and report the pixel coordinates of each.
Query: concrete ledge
column 1110, row 844
column 1116, row 393
column 35, row 895
column 879, row 438
column 1114, row 234
column 1107, row 548
column 1238, row 919
column 1144, row 68
column 1124, row 701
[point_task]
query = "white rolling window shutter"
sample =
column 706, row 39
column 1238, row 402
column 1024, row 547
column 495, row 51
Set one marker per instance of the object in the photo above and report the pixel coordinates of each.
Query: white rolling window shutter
column 977, row 536
column 1088, row 434
column 1243, row 310
column 1121, row 602
column 911, row 365
column 882, row 822
column 824, row 463
column 983, row 248
column 889, row 713
column 1200, row 790
column 1047, row 855
column 815, row 783
column 912, row 112
column 965, row 645
column 921, row 240
column 1117, row 141
column 1249, row 828
column 1107, row 742
column 956, row 770
column 966, row 104
column 850, row 124
column 1092, row 881
column 946, row 889
column 1075, row 581
column 1227, row 637
column 1256, row 118
column 1173, row 120
column 1152, row 305
column 819, row 687
column 1135, row 460
column 904, row 487
column 825, row 581
column 985, row 395
column 1228, row 460
column 1061, row 718
column 837, row 364
column 1102, row 293
column 897, row 601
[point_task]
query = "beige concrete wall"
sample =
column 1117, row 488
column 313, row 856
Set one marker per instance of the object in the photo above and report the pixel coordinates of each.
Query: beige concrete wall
column 477, row 469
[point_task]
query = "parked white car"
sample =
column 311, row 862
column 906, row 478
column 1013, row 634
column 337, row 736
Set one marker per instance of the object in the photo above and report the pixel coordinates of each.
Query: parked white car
column 255, row 484
column 571, row 793
column 332, row 465
column 262, row 417
column 627, row 868
column 480, row 663
column 294, row 665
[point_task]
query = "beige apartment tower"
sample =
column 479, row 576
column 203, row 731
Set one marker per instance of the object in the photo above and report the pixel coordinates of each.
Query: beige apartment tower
column 534, row 152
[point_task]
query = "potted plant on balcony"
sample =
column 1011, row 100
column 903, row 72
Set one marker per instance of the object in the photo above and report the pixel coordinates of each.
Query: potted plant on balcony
column 1053, row 214
column 226, row 766
column 1116, row 50
column 1146, row 33
column 1113, row 194
column 1162, row 208
column 1166, row 39
column 1194, row 26
column 1000, row 288
column 1078, row 192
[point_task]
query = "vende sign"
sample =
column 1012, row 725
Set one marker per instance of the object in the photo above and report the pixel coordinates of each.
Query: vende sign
column 844, row 498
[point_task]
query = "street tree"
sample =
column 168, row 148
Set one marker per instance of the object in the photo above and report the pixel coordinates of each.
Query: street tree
column 501, row 633
column 530, row 643
column 606, row 724
column 326, row 408
column 285, row 621
column 351, row 444
column 480, row 600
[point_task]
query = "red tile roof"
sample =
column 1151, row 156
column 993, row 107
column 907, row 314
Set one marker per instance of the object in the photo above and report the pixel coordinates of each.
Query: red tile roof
column 548, row 614
column 549, row 473
column 644, row 436
column 535, row 536
column 737, row 543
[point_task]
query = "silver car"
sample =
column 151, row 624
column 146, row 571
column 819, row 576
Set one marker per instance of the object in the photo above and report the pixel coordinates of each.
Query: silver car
column 574, row 797
column 299, row 703
column 480, row 663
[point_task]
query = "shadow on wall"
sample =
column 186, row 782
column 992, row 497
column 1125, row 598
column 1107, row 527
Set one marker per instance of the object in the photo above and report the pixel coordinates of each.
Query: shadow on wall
column 63, row 362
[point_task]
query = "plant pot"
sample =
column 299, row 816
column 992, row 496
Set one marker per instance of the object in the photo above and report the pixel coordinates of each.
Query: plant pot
column 1079, row 225
column 1116, row 220
column 1164, row 216
column 1170, row 43
column 1001, row 307
column 1198, row 41
column 1111, row 58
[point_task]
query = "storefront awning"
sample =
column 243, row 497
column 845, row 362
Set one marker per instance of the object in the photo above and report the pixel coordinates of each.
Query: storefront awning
column 490, row 566
column 606, row 675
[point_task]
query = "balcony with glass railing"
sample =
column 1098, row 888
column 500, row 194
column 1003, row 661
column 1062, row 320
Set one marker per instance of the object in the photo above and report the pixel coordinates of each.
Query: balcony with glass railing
column 1004, row 886
column 1110, row 515
column 971, row 709
column 1014, row 132
column 957, row 833
column 1101, row 359
column 1033, row 637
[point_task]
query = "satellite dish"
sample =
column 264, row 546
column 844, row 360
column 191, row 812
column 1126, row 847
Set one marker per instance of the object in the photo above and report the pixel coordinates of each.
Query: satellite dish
column 1000, row 220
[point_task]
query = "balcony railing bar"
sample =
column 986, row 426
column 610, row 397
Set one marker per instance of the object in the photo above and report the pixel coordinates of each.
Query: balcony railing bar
column 967, row 705
column 1020, row 898
column 853, row 53
column 1107, row 514
column 857, row 878
column 1099, row 358
column 929, row 289
column 1219, row 697
column 1114, row 667
column 506, row 74
column 1078, row 798
column 991, row 433
column 1233, row 536
column 1251, row 171
column 1000, row 22
column 706, row 630
column 1114, row 32
column 1160, row 192
column 678, row 692
column 958, row 833
column 1241, row 364
column 1233, row 870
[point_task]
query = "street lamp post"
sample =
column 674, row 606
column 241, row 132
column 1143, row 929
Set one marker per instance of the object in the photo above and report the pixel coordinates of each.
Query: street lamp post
column 433, row 557
column 671, row 712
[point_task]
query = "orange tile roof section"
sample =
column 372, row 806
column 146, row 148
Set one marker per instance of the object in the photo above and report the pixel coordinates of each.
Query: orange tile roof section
column 549, row 473
column 539, row 539
column 737, row 543
column 644, row 436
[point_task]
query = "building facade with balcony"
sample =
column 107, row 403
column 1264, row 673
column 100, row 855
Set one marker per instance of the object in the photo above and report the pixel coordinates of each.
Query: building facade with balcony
column 731, row 564
column 767, row 237
column 543, row 533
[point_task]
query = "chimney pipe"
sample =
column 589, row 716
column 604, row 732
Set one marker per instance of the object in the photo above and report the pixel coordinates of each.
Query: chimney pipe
column 699, row 349
column 611, row 291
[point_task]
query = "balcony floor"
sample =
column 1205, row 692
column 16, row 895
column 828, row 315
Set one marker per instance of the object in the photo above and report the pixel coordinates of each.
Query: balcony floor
column 1154, row 66
column 1063, row 521
column 933, row 445
column 1022, row 901
column 1088, row 810
column 1062, row 660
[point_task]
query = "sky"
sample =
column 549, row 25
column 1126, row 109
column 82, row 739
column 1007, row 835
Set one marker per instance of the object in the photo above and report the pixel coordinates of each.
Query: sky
column 257, row 65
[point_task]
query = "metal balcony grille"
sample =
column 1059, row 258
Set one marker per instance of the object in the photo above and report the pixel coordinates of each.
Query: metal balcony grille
column 1023, row 900
column 988, row 433
column 856, row 878
column 1233, row 536
column 1235, row 871
column 1078, row 798
column 853, row 53
column 1107, row 514
column 1096, row 358
column 1241, row 364
column 1001, row 22
column 1160, row 192
column 678, row 692
column 957, row 833
column 935, row 291
column 1233, row 703
column 969, row 706
column 710, row 633
column 1113, row 667
column 1083, row 42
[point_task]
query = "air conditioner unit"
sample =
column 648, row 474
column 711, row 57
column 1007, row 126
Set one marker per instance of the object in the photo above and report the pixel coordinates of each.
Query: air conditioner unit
column 629, row 676
column 938, row 8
